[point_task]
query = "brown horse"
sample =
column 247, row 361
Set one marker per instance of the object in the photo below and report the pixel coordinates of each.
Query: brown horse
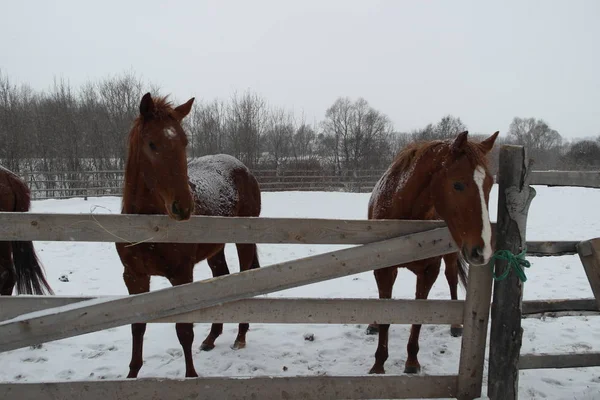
column 158, row 180
column 446, row 180
column 18, row 262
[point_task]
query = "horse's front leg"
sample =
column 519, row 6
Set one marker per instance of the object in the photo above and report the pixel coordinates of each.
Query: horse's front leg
column 185, row 331
column 136, row 284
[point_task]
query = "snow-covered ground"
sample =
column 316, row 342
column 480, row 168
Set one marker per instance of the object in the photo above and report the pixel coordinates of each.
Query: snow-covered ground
column 95, row 269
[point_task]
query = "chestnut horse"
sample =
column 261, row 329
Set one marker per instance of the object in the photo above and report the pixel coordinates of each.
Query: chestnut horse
column 19, row 263
column 159, row 180
column 446, row 180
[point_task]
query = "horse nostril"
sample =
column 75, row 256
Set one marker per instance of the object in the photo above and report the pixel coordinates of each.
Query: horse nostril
column 175, row 208
column 477, row 252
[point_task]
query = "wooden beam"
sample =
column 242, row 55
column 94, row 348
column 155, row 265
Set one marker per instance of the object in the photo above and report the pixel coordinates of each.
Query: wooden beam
column 589, row 254
column 99, row 314
column 551, row 248
column 306, row 310
column 558, row 305
column 590, row 179
column 264, row 388
column 514, row 198
column 543, row 361
column 476, row 314
column 281, row 310
column 201, row 229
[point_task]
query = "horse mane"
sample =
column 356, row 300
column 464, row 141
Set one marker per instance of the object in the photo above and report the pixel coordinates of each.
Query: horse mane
column 413, row 151
column 162, row 110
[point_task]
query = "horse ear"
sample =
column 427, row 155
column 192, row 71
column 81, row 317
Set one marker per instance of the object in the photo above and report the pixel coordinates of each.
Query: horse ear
column 184, row 109
column 488, row 143
column 147, row 106
column 460, row 140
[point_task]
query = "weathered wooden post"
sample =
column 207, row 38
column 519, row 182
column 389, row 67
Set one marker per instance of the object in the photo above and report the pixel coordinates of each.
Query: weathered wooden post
column 514, row 197
column 475, row 325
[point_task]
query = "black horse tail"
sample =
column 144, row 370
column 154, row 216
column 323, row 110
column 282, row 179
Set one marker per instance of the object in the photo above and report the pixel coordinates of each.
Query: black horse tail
column 30, row 277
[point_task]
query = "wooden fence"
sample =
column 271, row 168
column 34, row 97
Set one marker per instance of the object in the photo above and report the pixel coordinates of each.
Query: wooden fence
column 505, row 358
column 379, row 244
column 57, row 185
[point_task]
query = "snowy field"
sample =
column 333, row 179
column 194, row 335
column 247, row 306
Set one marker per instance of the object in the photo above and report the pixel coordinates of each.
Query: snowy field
column 280, row 350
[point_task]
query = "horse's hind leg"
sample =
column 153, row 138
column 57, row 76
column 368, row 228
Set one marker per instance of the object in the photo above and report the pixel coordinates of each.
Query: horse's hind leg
column 385, row 278
column 248, row 257
column 451, row 272
column 185, row 331
column 7, row 270
column 218, row 266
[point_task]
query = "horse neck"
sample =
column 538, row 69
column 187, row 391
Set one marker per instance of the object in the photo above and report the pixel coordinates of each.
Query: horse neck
column 413, row 200
column 137, row 197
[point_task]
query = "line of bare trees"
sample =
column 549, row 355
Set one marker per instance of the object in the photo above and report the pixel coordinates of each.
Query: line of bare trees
column 85, row 128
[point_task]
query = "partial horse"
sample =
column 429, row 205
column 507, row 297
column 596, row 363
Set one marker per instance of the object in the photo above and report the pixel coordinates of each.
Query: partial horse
column 159, row 180
column 19, row 264
column 447, row 180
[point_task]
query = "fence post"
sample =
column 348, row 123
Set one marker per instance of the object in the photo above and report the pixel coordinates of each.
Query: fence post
column 475, row 324
column 514, row 198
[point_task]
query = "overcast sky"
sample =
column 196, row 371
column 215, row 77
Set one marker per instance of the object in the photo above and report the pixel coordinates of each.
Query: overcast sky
column 415, row 61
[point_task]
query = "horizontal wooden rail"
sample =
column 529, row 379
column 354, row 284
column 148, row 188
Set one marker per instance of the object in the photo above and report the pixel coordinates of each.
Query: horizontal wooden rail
column 264, row 388
column 280, row 310
column 314, row 311
column 543, row 361
column 590, row 179
column 559, row 305
column 202, row 229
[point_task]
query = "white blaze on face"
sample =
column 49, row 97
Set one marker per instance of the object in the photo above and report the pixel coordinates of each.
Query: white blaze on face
column 170, row 133
column 486, row 232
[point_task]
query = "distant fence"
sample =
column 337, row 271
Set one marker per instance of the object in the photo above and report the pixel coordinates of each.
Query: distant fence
column 58, row 185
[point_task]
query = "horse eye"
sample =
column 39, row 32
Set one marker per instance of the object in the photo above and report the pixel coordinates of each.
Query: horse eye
column 459, row 186
column 152, row 146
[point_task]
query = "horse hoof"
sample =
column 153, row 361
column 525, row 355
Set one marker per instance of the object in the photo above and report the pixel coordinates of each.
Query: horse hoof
column 377, row 370
column 372, row 330
column 191, row 374
column 207, row 346
column 456, row 331
column 238, row 345
column 411, row 369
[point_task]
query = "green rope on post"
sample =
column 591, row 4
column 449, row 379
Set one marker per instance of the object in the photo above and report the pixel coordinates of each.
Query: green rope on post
column 515, row 261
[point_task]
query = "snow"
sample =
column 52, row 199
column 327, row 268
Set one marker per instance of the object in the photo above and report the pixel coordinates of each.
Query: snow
column 214, row 189
column 94, row 269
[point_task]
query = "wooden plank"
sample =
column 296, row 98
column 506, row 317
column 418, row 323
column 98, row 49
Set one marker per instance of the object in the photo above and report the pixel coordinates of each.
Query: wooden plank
column 201, row 229
column 589, row 254
column 303, row 310
column 475, row 325
column 542, row 361
column 99, row 314
column 551, row 248
column 264, row 388
column 590, row 179
column 514, row 198
column 281, row 310
column 558, row 305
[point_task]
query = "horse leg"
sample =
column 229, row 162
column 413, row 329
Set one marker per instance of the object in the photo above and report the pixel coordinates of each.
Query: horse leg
column 425, row 281
column 218, row 266
column 248, row 257
column 185, row 331
column 7, row 270
column 385, row 278
column 136, row 284
column 451, row 272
